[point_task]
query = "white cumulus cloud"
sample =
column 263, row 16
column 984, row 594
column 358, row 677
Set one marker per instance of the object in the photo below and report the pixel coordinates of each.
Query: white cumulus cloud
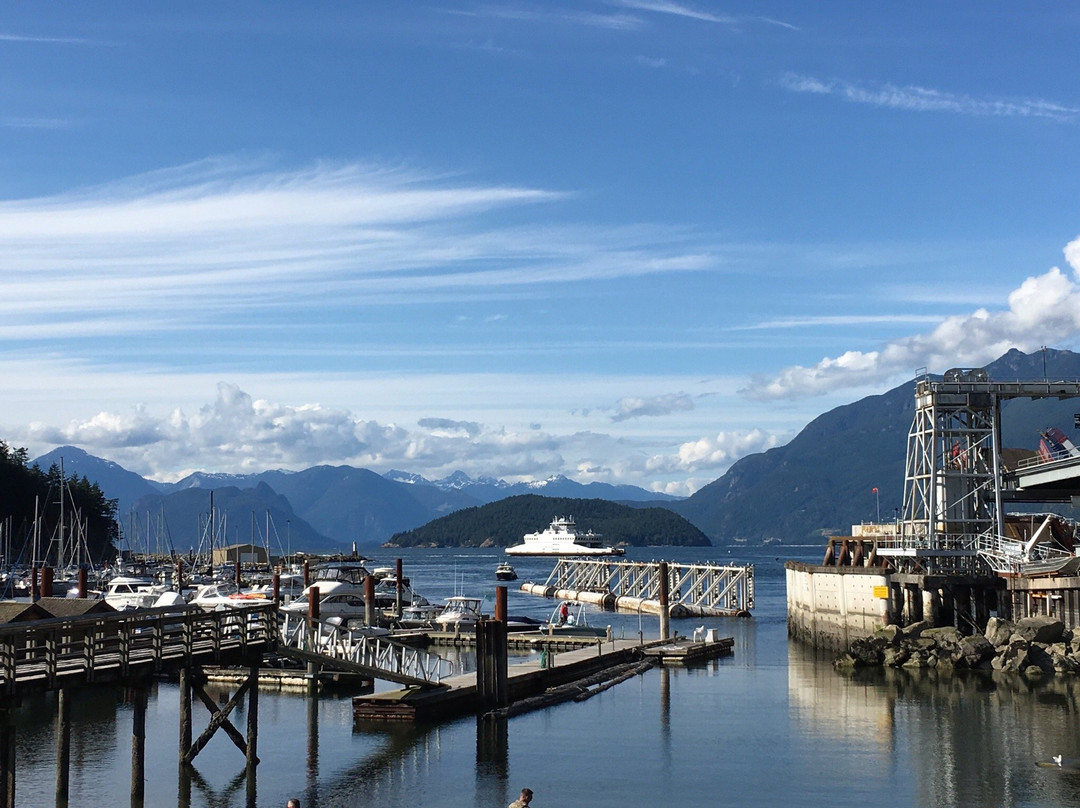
column 1043, row 310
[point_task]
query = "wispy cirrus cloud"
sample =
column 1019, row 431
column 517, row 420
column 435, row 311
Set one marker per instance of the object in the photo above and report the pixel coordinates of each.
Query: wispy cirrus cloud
column 923, row 99
column 34, row 123
column 167, row 248
column 689, row 12
column 552, row 15
column 1043, row 310
column 47, row 40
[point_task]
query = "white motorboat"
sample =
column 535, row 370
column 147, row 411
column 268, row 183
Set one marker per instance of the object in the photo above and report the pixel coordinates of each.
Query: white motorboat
column 386, row 594
column 562, row 538
column 418, row 615
column 505, row 572
column 460, row 611
column 225, row 595
column 127, row 592
column 341, row 593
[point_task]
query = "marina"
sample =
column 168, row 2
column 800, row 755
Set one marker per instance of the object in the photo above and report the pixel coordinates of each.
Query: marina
column 689, row 727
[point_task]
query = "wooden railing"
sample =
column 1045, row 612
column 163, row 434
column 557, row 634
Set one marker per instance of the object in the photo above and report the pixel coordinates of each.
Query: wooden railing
column 58, row 652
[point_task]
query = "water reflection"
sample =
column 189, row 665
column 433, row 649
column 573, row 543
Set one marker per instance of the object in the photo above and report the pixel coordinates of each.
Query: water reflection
column 959, row 739
column 492, row 761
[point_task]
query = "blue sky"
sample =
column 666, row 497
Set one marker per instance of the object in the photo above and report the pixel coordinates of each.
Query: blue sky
column 622, row 241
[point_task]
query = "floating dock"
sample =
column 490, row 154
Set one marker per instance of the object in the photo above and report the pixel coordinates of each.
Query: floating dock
column 459, row 695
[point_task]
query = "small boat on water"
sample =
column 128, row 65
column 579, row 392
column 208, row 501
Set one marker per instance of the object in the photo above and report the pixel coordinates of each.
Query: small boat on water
column 460, row 611
column 417, row 615
column 565, row 621
column 562, row 538
column 505, row 572
column 127, row 592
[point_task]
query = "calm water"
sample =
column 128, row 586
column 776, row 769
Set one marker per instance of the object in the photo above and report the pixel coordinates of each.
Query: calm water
column 770, row 726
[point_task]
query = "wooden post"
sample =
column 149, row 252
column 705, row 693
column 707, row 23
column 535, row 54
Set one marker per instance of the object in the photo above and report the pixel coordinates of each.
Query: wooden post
column 369, row 600
column 313, row 618
column 500, row 604
column 307, row 573
column 7, row 757
column 63, row 746
column 491, row 659
column 400, row 584
column 35, row 589
column 138, row 744
column 46, row 582
column 253, row 720
column 82, row 582
column 180, row 575
column 277, row 587
column 236, row 572
column 665, row 613
column 252, row 733
column 185, row 712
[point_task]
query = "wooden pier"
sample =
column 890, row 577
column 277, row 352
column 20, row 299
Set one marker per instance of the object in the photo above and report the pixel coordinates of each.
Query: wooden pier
column 67, row 654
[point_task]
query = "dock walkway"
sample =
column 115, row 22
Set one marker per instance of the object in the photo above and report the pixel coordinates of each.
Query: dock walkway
column 459, row 695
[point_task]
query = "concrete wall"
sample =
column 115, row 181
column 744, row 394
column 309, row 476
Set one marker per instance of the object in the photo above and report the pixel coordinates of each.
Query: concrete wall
column 828, row 607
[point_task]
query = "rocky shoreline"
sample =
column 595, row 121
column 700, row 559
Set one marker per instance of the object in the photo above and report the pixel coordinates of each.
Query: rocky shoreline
column 1033, row 647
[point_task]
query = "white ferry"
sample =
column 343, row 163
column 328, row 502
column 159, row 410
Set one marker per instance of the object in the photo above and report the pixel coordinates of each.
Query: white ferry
column 562, row 538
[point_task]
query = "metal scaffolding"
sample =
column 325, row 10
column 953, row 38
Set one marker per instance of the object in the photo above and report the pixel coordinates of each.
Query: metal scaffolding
column 707, row 586
column 953, row 480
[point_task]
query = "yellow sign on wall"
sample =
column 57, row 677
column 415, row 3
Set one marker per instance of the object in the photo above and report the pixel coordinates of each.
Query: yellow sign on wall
column 881, row 592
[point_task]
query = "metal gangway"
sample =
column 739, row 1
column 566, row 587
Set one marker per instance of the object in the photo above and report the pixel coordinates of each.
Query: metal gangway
column 700, row 586
column 331, row 644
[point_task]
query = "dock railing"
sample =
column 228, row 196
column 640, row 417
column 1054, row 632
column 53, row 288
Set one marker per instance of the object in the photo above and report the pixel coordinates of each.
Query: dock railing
column 57, row 652
column 706, row 586
column 385, row 658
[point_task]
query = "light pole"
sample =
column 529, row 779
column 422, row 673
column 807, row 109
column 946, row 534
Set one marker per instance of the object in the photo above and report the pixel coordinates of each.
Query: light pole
column 877, row 498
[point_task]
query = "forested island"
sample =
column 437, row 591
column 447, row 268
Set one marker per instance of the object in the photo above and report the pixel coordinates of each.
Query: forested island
column 503, row 523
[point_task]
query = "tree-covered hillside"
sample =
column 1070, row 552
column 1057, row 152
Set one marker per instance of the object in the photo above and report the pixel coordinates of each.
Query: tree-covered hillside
column 24, row 487
column 503, row 523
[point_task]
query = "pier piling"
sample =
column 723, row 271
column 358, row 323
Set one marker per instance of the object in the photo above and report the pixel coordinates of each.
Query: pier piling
column 138, row 744
column 665, row 609
column 369, row 600
column 63, row 746
column 7, row 756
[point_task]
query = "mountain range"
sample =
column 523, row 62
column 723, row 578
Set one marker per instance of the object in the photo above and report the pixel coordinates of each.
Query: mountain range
column 821, row 482
column 325, row 508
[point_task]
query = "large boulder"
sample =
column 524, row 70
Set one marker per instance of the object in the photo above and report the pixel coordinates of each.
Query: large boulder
column 998, row 631
column 1040, row 629
column 1014, row 657
column 890, row 634
column 975, row 650
column 915, row 630
column 895, row 656
column 867, row 652
column 946, row 635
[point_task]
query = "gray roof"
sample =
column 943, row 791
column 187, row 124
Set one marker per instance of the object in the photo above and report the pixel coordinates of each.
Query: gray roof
column 12, row 611
column 73, row 607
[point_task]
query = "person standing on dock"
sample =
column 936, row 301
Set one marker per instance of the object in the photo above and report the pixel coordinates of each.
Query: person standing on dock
column 522, row 801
